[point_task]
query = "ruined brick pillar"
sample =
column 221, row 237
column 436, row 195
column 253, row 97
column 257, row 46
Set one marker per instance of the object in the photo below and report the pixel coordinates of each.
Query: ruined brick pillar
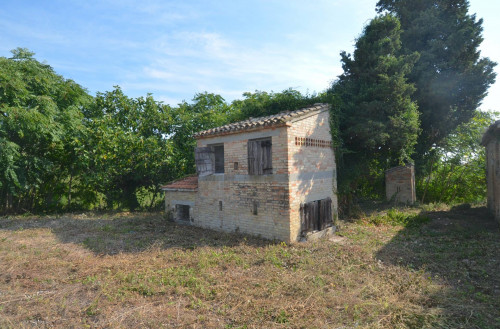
column 491, row 140
column 400, row 184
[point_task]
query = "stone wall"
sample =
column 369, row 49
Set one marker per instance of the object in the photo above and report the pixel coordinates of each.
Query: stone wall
column 268, row 205
column 400, row 184
column 493, row 177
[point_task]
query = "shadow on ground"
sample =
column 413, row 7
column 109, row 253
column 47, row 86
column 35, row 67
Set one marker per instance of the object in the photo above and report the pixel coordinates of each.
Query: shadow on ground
column 461, row 248
column 117, row 233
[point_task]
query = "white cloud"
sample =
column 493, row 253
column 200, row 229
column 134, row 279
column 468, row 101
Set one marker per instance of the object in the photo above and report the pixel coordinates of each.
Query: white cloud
column 209, row 61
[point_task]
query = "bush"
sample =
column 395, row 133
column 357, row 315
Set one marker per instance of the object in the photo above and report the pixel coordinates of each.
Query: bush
column 394, row 217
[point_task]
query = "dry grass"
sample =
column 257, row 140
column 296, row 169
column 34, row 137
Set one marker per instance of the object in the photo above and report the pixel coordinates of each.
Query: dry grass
column 137, row 270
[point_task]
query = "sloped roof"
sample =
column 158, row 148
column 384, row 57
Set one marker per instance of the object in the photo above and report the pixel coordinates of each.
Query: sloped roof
column 267, row 121
column 492, row 132
column 189, row 183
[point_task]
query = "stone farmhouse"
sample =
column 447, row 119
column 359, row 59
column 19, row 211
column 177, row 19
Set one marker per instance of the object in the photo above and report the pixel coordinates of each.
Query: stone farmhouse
column 272, row 176
column 491, row 140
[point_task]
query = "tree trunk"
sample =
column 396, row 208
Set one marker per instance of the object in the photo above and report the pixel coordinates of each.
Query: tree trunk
column 69, row 187
column 152, row 200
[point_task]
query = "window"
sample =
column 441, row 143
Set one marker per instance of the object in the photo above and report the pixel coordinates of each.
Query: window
column 255, row 208
column 219, row 158
column 315, row 215
column 182, row 212
column 209, row 160
column 260, row 157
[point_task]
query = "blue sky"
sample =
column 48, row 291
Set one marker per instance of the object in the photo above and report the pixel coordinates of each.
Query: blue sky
column 175, row 49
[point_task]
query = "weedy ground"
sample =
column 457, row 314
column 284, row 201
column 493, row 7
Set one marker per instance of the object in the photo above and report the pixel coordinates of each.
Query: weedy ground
column 399, row 268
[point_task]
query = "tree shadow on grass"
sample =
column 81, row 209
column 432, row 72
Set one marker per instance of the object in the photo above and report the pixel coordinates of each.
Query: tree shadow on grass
column 109, row 234
column 461, row 249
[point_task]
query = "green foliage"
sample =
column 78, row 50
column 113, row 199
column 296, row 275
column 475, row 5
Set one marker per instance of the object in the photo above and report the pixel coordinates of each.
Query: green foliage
column 63, row 149
column 377, row 121
column 451, row 78
column 127, row 148
column 39, row 115
column 261, row 103
column 455, row 171
column 395, row 217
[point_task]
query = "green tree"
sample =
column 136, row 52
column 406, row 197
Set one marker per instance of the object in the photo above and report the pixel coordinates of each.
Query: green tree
column 378, row 123
column 128, row 148
column 261, row 103
column 39, row 111
column 456, row 170
column 134, row 145
column 451, row 78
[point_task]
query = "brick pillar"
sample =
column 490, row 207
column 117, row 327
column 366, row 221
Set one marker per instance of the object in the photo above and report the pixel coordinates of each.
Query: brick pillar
column 400, row 184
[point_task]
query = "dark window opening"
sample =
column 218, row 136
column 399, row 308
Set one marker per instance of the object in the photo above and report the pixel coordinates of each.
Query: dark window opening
column 260, row 157
column 254, row 209
column 316, row 215
column 182, row 212
column 220, row 205
column 236, row 165
column 219, row 158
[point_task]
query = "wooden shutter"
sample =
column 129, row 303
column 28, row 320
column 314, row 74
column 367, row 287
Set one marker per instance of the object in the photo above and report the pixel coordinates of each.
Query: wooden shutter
column 204, row 158
column 254, row 158
column 219, row 159
column 267, row 160
column 315, row 215
column 260, row 157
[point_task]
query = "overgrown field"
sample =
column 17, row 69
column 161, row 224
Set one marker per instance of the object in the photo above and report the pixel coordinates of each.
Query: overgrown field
column 400, row 269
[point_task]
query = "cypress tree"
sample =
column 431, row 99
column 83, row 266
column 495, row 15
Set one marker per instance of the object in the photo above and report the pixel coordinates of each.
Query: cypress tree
column 451, row 78
column 378, row 122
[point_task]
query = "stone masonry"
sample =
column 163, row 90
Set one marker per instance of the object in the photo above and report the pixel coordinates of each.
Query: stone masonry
column 400, row 184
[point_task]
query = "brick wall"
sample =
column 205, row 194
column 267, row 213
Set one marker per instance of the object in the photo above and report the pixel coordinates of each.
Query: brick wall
column 255, row 204
column 400, row 184
column 268, row 205
column 311, row 164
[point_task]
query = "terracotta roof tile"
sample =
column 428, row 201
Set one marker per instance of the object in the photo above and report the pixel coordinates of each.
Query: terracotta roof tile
column 266, row 121
column 186, row 183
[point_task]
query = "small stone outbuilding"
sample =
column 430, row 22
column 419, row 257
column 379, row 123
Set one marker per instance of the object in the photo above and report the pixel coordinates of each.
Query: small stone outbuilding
column 400, row 184
column 273, row 176
column 180, row 197
column 491, row 140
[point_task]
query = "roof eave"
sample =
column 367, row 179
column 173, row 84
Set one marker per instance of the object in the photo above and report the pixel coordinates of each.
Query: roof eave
column 308, row 115
column 179, row 189
column 239, row 131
